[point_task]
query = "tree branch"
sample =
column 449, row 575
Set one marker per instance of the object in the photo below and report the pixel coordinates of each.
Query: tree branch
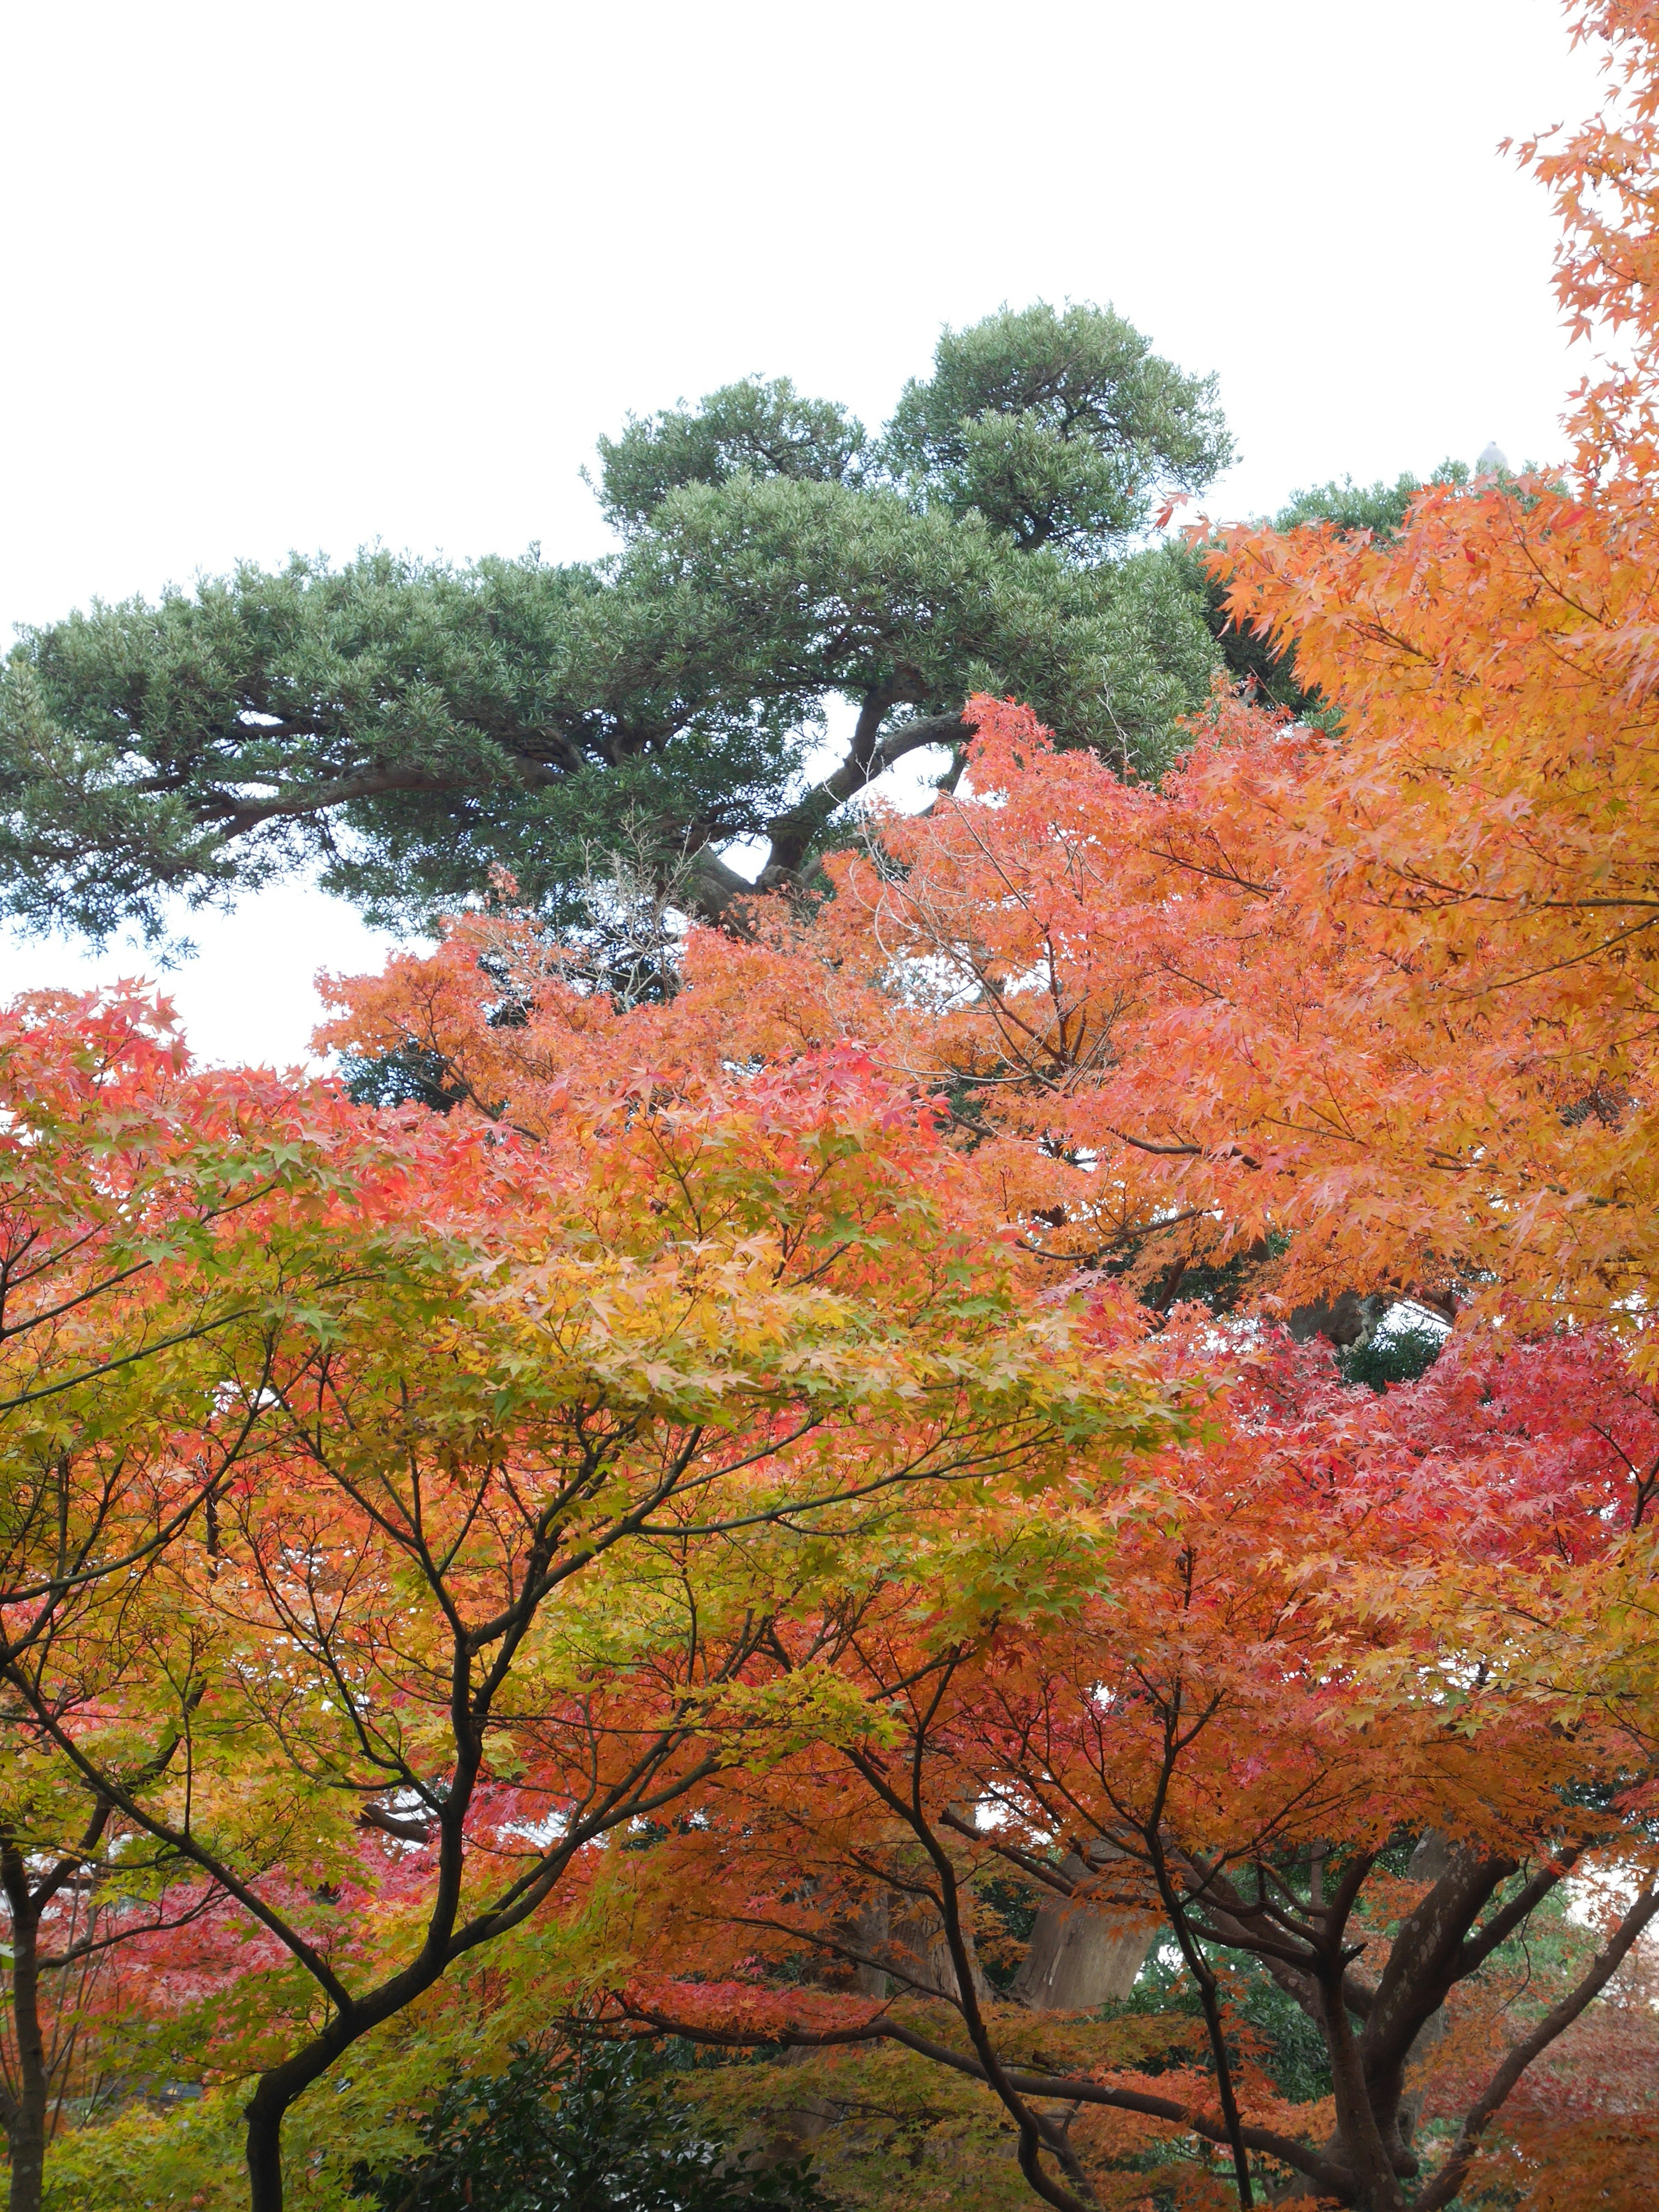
column 1450, row 2177
column 867, row 757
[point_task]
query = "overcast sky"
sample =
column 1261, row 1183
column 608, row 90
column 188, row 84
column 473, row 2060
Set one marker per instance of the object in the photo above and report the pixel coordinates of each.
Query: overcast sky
column 313, row 275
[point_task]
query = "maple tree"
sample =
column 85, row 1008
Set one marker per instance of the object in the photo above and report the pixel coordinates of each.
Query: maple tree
column 766, row 1423
column 1366, row 1005
column 493, row 1576
column 155, row 1224
column 1386, row 984
column 1534, row 1516
column 1260, row 1722
column 1486, row 817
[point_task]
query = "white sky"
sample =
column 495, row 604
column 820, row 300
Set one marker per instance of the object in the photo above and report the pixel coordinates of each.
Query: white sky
column 315, row 275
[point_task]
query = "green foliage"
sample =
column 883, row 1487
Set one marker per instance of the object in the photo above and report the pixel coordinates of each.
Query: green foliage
column 406, row 727
column 1013, row 1904
column 1394, row 1355
column 1350, row 507
column 1290, row 2045
column 595, row 2129
column 1059, row 427
column 1282, row 2038
column 887, row 2127
column 191, row 2154
column 758, row 428
column 413, row 1075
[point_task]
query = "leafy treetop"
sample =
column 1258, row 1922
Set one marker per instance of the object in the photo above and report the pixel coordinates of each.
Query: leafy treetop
column 407, row 724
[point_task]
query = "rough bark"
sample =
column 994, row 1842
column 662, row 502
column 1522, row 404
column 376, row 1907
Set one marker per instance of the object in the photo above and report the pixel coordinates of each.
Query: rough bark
column 920, row 1952
column 1080, row 1956
column 1348, row 1319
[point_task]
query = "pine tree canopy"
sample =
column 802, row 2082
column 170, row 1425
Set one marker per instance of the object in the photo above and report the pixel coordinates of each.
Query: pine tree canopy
column 403, row 727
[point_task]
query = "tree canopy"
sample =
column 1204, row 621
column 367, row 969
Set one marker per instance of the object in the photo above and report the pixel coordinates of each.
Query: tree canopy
column 407, row 725
column 787, row 1522
column 1370, row 1002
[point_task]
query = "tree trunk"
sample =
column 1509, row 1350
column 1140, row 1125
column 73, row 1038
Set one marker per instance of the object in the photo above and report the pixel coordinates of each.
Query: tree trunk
column 1080, row 1957
column 919, row 1951
column 1429, row 1860
column 25, row 2117
column 872, row 1932
column 264, row 2112
column 280, row 2086
column 1375, row 2184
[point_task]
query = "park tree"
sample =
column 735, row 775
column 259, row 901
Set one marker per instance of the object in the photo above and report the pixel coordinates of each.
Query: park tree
column 520, row 1494
column 1125, row 997
column 88, row 1909
column 404, row 726
column 1360, row 1003
column 1255, row 1726
column 159, row 1228
column 774, row 1424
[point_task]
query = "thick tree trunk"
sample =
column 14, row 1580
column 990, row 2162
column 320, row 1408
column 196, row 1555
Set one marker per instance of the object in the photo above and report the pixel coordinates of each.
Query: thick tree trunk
column 871, row 1933
column 1429, row 1860
column 25, row 2145
column 1376, row 2186
column 1080, row 1957
column 264, row 2112
column 277, row 2090
column 25, row 2113
column 919, row 1950
column 1350, row 1318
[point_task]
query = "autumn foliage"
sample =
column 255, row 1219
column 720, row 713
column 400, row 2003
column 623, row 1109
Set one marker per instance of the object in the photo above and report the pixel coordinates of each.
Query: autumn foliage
column 769, row 1508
